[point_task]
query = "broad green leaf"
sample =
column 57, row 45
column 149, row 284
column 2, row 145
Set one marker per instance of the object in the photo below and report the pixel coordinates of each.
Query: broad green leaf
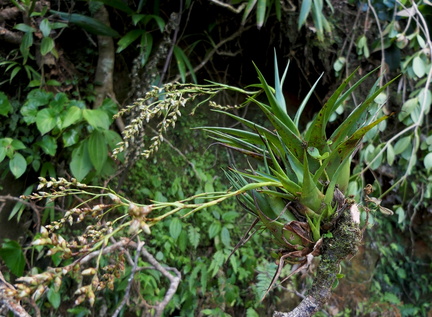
column 97, row 118
column 71, row 116
column 428, row 161
column 70, row 137
column 402, row 144
column 58, row 25
column 54, row 298
column 97, row 150
column 419, row 66
column 51, row 82
column 250, row 312
column 24, row 28
column 46, row 120
column 128, row 38
column 17, row 145
column 59, row 102
column 391, row 298
column 136, row 18
column 48, row 145
column 17, row 165
column 225, row 237
column 175, row 228
column 304, row 12
column 229, row 216
column 5, row 106
column 12, row 255
column 26, row 43
column 87, row 23
column 109, row 106
column 112, row 138
column 390, row 154
column 39, row 97
column 80, row 164
column 45, row 27
column 194, row 236
column 408, row 107
column 427, row 100
column 47, row 45
column 214, row 229
column 146, row 46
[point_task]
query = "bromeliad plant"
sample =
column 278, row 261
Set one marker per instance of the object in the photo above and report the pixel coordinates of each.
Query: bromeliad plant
column 309, row 171
column 297, row 193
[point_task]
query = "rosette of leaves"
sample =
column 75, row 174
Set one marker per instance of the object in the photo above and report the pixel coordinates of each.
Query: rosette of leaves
column 309, row 170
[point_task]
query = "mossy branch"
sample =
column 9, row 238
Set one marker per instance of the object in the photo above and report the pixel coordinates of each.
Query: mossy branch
column 344, row 243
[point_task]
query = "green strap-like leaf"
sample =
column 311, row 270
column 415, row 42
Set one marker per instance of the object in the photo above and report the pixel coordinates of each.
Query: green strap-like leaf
column 87, row 23
column 261, row 11
column 304, row 12
column 280, row 99
column 253, row 126
column 278, row 110
column 291, row 140
column 304, row 102
column 235, row 142
column 344, row 150
column 315, row 135
column 311, row 196
column 351, row 123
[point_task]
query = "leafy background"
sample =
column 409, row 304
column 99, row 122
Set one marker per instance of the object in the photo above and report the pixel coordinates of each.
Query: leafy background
column 52, row 128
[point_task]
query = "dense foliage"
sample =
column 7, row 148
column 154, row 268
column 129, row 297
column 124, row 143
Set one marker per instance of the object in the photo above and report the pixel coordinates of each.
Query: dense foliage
column 59, row 94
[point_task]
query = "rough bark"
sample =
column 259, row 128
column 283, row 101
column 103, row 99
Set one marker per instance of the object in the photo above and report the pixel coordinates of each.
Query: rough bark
column 105, row 65
column 346, row 238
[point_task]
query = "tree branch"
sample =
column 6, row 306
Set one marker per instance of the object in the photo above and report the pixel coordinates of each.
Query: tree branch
column 174, row 280
column 346, row 238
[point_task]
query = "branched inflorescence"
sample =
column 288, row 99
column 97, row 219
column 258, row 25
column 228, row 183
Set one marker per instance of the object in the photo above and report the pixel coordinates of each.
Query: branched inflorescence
column 165, row 103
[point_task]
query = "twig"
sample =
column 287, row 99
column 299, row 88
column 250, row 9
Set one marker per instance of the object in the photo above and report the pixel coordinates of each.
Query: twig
column 381, row 39
column 131, row 277
column 173, row 43
column 174, row 280
column 212, row 52
column 230, row 7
